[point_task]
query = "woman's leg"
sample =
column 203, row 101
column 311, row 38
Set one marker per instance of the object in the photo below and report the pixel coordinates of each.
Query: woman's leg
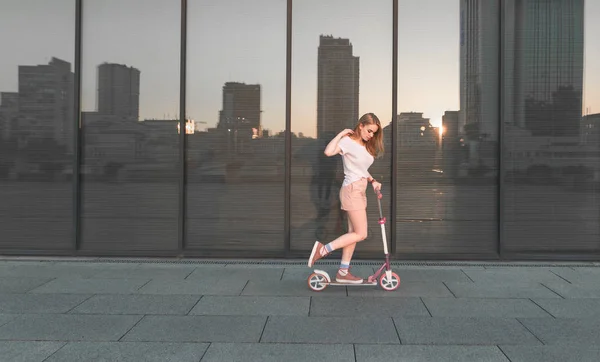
column 358, row 219
column 343, row 274
column 348, row 251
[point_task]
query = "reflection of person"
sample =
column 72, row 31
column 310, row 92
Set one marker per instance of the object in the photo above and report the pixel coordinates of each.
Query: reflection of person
column 326, row 168
column 358, row 148
column 326, row 177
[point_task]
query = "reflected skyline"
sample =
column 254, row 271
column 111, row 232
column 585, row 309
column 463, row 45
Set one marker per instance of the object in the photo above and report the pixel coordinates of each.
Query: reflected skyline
column 107, row 71
column 118, row 91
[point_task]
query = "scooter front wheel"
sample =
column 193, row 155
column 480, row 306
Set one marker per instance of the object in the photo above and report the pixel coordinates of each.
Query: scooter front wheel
column 391, row 284
column 317, row 282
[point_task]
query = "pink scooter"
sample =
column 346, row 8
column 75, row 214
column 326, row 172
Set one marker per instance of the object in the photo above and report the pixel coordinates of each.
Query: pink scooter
column 388, row 280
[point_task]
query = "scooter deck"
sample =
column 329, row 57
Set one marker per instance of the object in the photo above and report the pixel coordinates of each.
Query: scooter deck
column 351, row 284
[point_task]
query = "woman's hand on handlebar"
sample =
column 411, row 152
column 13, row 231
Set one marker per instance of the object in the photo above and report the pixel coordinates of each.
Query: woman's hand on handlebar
column 376, row 187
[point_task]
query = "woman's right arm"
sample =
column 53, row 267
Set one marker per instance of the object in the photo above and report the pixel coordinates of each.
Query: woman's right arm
column 333, row 147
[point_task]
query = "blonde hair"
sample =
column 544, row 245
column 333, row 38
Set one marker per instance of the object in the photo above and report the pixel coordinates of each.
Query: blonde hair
column 375, row 145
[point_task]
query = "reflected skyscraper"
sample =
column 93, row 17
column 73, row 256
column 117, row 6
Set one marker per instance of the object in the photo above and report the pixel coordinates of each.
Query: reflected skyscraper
column 240, row 116
column 119, row 91
column 479, row 80
column 46, row 102
column 9, row 110
column 451, row 143
column 542, row 70
column 338, row 86
column 544, row 65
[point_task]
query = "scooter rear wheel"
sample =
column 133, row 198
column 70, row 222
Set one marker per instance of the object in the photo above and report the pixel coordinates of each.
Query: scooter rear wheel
column 317, row 282
column 391, row 284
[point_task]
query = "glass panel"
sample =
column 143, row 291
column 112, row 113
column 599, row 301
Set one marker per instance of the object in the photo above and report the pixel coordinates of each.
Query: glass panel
column 447, row 127
column 130, row 103
column 552, row 138
column 36, row 124
column 236, row 102
column 341, row 69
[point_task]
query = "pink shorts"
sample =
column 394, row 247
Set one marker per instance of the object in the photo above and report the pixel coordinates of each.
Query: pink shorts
column 353, row 196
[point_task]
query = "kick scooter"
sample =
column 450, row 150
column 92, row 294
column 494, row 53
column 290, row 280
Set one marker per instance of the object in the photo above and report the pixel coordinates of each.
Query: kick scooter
column 388, row 280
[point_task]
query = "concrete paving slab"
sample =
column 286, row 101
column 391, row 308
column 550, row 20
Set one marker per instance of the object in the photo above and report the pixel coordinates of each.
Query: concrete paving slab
column 329, row 330
column 513, row 275
column 287, row 288
column 275, row 265
column 97, row 265
column 63, row 327
column 500, row 290
column 91, row 286
column 197, row 329
column 18, row 351
column 432, row 275
column 275, row 352
column 39, row 303
column 21, row 285
column 223, row 286
column 442, row 266
column 64, row 269
column 571, row 308
column 367, row 307
column 406, row 289
column 483, row 307
column 579, row 275
column 583, row 290
column 564, row 330
column 463, row 331
column 101, row 263
column 530, row 265
column 148, row 271
column 372, row 353
column 250, row 305
column 205, row 273
column 137, row 304
column 5, row 318
column 552, row 353
column 130, row 352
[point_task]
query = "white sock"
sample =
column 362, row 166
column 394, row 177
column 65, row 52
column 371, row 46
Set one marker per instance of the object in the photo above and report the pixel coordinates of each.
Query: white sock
column 344, row 266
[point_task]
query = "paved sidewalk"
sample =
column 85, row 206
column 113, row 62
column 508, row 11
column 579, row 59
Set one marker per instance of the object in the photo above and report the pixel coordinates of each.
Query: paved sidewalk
column 192, row 310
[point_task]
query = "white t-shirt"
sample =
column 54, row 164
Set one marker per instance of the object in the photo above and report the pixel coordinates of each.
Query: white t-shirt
column 356, row 159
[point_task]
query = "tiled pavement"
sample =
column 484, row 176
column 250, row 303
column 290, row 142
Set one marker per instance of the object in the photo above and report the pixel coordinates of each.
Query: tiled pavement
column 142, row 310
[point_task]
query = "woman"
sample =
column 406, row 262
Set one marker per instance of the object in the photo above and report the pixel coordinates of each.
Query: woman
column 358, row 148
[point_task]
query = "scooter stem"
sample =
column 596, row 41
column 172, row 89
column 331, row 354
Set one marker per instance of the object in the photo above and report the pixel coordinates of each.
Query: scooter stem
column 382, row 221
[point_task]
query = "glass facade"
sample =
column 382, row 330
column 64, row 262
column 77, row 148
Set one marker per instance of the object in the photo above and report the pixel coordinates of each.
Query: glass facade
column 37, row 125
column 551, row 144
column 235, row 98
column 447, row 129
column 197, row 127
column 340, row 71
column 129, row 117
